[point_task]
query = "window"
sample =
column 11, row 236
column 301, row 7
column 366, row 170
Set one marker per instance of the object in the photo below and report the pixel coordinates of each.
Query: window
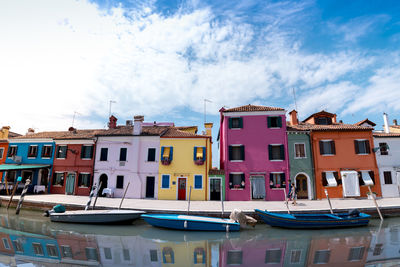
column 322, row 256
column 1, row 152
column 295, row 256
column 103, row 154
column 61, row 152
column 165, row 181
column 274, row 122
column 365, row 178
column 362, row 147
column 125, row 253
column 122, row 154
column 199, row 256
column 356, row 253
column 18, row 246
column 330, row 178
column 151, row 154
column 383, row 148
column 323, row 120
column 107, row 253
column 5, row 243
column 327, row 147
column 299, row 150
column 120, row 181
column 388, row 177
column 52, row 250
column 58, row 178
column 66, row 252
column 378, row 249
column 236, row 152
column 37, row 249
column 91, row 254
column 87, row 152
column 234, row 257
column 277, row 180
column 276, row 152
column 153, row 255
column 84, row 179
column 235, row 123
column 168, row 255
column 32, row 151
column 166, row 153
column 236, row 180
column 198, row 182
column 199, row 153
column 273, row 256
column 10, row 176
column 46, row 151
column 12, row 151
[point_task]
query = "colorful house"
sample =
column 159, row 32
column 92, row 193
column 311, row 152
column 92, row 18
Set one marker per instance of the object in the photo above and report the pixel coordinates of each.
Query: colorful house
column 78, row 249
column 73, row 162
column 301, row 160
column 129, row 154
column 343, row 160
column 217, row 184
column 253, row 152
column 185, row 159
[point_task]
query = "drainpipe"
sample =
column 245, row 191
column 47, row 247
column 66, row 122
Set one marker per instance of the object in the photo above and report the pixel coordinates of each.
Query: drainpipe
column 386, row 123
column 94, row 160
column 207, row 159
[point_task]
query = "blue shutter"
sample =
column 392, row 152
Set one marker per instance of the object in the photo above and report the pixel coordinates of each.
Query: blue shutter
column 171, row 153
column 204, row 153
column 198, row 181
column 162, row 152
column 194, row 152
column 165, row 181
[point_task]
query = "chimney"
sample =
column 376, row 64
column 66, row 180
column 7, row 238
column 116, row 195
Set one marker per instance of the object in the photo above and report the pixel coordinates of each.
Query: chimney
column 4, row 132
column 112, row 124
column 30, row 131
column 385, row 123
column 129, row 122
column 71, row 130
column 395, row 122
column 137, row 124
column 208, row 126
column 334, row 118
column 293, row 117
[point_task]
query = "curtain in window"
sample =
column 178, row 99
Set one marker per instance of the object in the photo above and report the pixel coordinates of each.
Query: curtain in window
column 258, row 187
column 351, row 187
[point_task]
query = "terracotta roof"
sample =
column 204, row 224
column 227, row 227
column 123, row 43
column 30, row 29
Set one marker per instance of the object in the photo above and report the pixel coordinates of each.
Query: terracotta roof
column 289, row 128
column 395, row 126
column 332, row 127
column 128, row 131
column 321, row 113
column 216, row 172
column 365, row 121
column 12, row 134
column 175, row 132
column 77, row 134
column 377, row 134
column 252, row 108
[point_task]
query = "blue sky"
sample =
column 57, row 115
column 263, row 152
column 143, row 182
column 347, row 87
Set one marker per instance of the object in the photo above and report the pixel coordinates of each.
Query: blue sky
column 163, row 58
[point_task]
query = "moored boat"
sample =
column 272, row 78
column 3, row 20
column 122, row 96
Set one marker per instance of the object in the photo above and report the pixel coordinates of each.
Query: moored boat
column 96, row 216
column 314, row 221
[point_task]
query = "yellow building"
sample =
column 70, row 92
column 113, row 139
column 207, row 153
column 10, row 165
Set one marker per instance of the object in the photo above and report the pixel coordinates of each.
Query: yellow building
column 184, row 163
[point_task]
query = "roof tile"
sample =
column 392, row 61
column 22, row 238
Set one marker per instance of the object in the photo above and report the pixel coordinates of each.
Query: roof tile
column 252, row 108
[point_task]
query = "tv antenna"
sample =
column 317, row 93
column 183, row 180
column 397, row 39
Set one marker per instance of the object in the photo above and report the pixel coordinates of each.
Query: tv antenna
column 294, row 98
column 205, row 109
column 73, row 117
column 109, row 111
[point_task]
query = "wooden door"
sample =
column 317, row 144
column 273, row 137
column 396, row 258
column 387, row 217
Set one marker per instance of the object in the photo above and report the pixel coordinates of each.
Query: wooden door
column 301, row 185
column 215, row 189
column 181, row 188
column 150, row 187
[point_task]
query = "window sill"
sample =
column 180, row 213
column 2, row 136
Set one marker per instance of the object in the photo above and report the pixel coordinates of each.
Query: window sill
column 57, row 185
column 198, row 188
column 83, row 187
column 60, row 158
column 236, row 160
column 300, row 157
column 329, row 155
column 363, row 154
column 276, row 160
column 45, row 157
column 32, row 157
column 235, row 128
column 236, row 189
column 165, row 187
column 280, row 188
column 274, row 128
column 85, row 158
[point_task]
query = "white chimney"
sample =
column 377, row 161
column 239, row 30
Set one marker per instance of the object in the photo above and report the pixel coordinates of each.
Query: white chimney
column 137, row 124
column 386, row 123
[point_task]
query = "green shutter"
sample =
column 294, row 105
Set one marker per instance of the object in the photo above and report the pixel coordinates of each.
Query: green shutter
column 282, row 152
column 240, row 122
column 269, row 122
column 270, row 152
column 242, row 152
column 230, row 152
column 230, row 123
column 280, row 122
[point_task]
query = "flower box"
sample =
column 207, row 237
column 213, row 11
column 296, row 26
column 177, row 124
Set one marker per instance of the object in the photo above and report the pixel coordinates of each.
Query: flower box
column 199, row 162
column 165, row 161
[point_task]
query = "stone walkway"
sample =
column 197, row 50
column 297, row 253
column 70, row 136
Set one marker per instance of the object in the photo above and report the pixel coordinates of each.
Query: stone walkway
column 389, row 206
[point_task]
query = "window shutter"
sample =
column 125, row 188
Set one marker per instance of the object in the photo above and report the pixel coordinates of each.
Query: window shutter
column 243, row 180
column 333, row 147
column 240, row 122
column 283, row 177
column 280, row 122
column 324, row 181
column 230, row 180
column 282, row 152
column 204, row 153
column 372, row 175
column 321, row 148
column 242, row 152
column 271, row 177
column 194, row 152
column 356, row 147
column 230, row 123
column 162, row 152
column 91, row 151
column 269, row 122
column 43, row 151
column 270, row 152
column 230, row 152
column 82, row 151
column 171, row 153
column 79, row 179
column 368, row 147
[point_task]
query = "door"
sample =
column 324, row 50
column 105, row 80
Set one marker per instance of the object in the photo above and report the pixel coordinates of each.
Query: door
column 103, row 181
column 301, row 186
column 181, row 188
column 44, row 177
column 70, row 184
column 398, row 181
column 215, row 189
column 257, row 187
column 150, row 186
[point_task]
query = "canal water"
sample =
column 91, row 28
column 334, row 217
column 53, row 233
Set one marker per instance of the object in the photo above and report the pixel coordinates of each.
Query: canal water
column 32, row 240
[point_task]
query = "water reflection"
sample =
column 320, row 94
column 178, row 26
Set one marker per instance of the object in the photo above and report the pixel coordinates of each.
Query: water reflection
column 32, row 238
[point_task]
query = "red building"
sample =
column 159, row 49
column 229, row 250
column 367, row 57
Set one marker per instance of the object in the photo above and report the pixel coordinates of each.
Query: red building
column 73, row 162
column 78, row 249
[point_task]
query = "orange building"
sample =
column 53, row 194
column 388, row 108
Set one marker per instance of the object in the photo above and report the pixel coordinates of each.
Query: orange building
column 344, row 161
column 4, row 135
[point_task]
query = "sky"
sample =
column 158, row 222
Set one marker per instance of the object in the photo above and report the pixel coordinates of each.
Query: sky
column 62, row 62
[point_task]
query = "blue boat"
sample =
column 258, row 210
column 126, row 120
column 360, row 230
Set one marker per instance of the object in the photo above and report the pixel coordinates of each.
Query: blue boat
column 314, row 221
column 191, row 222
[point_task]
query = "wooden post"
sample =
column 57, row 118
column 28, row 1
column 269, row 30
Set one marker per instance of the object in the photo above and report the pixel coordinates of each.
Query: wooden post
column 286, row 202
column 222, row 205
column 376, row 204
column 6, row 183
column 13, row 192
column 329, row 201
column 126, row 189
column 90, row 197
column 97, row 195
column 21, row 198
column 190, row 193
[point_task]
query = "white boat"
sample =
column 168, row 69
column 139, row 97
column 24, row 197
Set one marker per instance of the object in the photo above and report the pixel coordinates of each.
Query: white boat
column 96, row 216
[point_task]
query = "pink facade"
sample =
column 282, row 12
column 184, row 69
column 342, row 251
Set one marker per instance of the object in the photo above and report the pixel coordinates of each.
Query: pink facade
column 253, row 152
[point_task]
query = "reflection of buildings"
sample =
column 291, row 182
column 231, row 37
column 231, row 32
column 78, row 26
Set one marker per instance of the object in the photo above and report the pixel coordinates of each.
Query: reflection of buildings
column 385, row 247
column 78, row 249
column 193, row 253
column 296, row 253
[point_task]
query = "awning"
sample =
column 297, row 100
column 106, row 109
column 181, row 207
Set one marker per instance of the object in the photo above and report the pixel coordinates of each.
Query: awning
column 330, row 178
column 13, row 167
column 366, row 178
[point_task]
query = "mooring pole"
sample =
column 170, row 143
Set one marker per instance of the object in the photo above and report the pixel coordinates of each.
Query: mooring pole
column 329, row 201
column 222, row 205
column 21, row 198
column 376, row 204
column 97, row 195
column 126, row 189
column 90, row 197
column 14, row 190
column 190, row 193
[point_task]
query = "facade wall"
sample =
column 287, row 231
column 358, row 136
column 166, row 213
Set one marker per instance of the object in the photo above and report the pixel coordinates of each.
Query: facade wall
column 78, row 244
column 4, row 146
column 222, row 177
column 301, row 165
column 184, row 166
column 344, row 159
column 255, row 136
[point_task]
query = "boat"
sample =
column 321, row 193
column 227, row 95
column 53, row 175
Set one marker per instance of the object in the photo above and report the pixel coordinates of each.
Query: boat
column 96, row 216
column 191, row 222
column 314, row 221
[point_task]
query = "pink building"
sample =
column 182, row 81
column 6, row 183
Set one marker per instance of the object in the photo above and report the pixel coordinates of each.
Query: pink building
column 253, row 152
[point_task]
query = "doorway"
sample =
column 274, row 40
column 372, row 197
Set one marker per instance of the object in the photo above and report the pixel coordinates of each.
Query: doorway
column 257, row 187
column 103, row 184
column 150, row 186
column 44, row 177
column 27, row 175
column 181, row 188
column 301, row 186
column 215, row 189
column 70, row 184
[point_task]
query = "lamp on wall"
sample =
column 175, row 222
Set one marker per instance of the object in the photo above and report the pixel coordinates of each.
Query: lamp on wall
column 72, row 150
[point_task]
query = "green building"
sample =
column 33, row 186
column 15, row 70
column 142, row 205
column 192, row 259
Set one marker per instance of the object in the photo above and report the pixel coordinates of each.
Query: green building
column 217, row 184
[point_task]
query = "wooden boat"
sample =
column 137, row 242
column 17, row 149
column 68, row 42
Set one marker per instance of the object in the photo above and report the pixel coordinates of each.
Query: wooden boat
column 314, row 221
column 96, row 216
column 191, row 222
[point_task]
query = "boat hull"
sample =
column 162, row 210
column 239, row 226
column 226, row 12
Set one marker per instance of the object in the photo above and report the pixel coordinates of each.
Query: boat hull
column 313, row 221
column 191, row 223
column 97, row 216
